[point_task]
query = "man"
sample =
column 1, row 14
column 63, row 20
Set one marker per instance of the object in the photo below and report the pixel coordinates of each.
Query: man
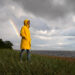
column 26, row 39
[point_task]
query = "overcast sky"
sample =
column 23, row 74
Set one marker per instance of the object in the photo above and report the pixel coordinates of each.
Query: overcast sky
column 52, row 23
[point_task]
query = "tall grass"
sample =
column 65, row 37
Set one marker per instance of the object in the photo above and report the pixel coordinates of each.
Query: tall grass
column 39, row 65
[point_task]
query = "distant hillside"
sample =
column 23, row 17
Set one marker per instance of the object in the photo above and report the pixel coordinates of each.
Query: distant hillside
column 5, row 44
column 55, row 53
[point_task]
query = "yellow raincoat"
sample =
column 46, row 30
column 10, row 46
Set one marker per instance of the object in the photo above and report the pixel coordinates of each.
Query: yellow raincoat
column 25, row 34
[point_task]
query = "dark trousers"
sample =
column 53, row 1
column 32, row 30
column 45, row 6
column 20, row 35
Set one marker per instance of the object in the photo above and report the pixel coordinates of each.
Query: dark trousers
column 28, row 54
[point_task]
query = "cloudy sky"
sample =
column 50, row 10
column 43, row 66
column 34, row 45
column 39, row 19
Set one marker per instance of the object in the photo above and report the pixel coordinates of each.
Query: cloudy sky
column 52, row 23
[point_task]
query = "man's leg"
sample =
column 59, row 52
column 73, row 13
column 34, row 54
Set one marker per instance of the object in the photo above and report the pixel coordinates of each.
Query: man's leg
column 28, row 55
column 21, row 54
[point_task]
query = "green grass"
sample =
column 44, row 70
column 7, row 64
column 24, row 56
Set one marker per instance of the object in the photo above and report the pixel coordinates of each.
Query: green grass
column 41, row 65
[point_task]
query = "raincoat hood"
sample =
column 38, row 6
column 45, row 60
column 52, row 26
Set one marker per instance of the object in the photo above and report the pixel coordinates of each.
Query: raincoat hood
column 25, row 22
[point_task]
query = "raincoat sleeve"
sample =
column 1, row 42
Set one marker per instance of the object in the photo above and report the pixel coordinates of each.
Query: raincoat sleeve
column 23, row 33
column 30, row 41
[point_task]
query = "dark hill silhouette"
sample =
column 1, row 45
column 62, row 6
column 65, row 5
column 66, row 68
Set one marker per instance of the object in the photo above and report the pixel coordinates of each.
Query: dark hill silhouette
column 5, row 44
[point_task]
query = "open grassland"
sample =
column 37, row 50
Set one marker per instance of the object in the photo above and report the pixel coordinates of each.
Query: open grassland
column 39, row 65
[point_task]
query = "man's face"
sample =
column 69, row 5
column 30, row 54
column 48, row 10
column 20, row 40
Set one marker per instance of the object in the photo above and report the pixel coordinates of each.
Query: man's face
column 28, row 24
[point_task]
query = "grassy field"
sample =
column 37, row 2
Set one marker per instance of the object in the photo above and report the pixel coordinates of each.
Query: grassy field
column 41, row 65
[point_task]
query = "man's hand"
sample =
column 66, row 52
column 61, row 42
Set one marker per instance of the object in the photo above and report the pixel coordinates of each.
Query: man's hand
column 23, row 37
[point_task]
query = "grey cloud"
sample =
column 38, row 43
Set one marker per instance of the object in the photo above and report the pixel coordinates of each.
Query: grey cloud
column 46, row 9
column 69, row 31
column 2, row 3
column 39, row 25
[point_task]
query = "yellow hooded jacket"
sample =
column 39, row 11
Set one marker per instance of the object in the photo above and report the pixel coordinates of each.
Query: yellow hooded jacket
column 26, row 38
